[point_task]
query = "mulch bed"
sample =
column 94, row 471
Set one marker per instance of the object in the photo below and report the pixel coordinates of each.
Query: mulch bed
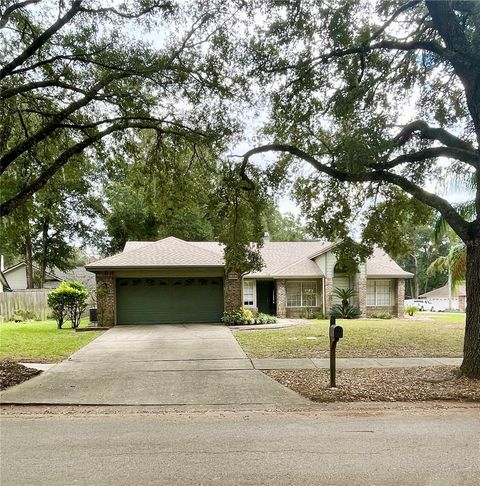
column 374, row 385
column 13, row 373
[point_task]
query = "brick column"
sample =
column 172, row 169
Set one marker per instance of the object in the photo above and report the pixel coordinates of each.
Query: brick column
column 105, row 299
column 328, row 295
column 360, row 300
column 281, row 298
column 232, row 297
column 400, row 297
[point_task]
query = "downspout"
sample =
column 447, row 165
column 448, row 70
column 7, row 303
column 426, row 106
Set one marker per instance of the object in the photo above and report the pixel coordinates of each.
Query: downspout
column 324, row 297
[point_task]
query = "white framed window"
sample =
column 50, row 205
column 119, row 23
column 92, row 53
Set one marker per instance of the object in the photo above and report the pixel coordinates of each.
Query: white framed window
column 379, row 292
column 301, row 293
column 249, row 293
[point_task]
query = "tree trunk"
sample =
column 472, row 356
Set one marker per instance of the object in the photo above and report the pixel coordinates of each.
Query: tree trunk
column 415, row 295
column 43, row 257
column 28, row 261
column 471, row 348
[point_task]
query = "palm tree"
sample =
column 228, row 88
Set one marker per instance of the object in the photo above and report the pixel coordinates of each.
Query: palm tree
column 455, row 263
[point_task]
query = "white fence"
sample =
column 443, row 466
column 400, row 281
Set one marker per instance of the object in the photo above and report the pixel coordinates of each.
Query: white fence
column 34, row 300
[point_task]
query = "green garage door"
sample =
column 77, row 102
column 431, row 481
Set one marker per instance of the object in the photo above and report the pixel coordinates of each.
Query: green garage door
column 165, row 300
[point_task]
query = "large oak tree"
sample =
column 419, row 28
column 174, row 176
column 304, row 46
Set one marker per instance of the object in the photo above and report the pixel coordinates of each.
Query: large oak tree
column 77, row 76
column 382, row 99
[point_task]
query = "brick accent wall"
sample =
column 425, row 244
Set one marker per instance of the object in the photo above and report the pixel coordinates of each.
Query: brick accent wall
column 360, row 300
column 281, row 298
column 328, row 294
column 232, row 295
column 105, row 299
column 400, row 297
column 301, row 312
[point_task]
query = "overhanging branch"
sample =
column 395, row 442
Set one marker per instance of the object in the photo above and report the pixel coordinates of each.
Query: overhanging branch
column 460, row 226
column 8, row 206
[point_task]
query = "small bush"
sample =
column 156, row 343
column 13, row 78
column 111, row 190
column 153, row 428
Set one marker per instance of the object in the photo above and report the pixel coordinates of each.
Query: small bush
column 381, row 315
column 345, row 311
column 262, row 318
column 239, row 316
column 23, row 315
column 69, row 299
column 411, row 309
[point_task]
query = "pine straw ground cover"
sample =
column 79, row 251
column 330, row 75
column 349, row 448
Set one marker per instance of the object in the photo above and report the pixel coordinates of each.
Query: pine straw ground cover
column 13, row 374
column 380, row 385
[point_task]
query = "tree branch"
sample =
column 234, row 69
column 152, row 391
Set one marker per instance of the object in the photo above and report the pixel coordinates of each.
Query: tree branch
column 41, row 40
column 460, row 226
column 24, row 88
column 44, row 132
column 431, row 133
column 9, row 10
column 8, row 206
column 167, row 6
column 469, row 157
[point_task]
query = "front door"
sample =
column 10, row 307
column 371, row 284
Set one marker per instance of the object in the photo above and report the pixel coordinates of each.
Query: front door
column 266, row 296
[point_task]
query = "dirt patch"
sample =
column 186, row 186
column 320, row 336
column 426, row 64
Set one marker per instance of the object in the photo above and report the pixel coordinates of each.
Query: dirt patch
column 372, row 385
column 13, row 373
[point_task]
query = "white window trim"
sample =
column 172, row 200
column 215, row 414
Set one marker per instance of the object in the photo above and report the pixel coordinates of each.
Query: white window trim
column 301, row 293
column 254, row 305
column 391, row 288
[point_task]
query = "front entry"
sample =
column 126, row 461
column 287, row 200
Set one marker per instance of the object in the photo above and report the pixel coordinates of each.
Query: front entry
column 266, row 296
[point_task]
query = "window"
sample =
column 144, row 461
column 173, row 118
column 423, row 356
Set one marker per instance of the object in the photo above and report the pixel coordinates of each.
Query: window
column 379, row 292
column 301, row 294
column 249, row 293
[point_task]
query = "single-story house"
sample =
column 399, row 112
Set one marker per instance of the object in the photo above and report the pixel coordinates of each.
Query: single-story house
column 16, row 277
column 172, row 280
column 439, row 297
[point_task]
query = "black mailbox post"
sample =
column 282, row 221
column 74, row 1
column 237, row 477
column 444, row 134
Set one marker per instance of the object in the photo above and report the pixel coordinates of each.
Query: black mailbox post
column 336, row 333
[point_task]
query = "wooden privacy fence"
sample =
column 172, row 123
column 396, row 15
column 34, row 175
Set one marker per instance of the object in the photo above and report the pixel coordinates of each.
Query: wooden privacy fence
column 34, row 300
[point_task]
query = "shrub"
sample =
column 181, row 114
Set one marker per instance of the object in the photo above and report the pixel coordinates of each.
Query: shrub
column 239, row 316
column 381, row 315
column 411, row 309
column 262, row 318
column 23, row 315
column 344, row 295
column 69, row 299
column 345, row 312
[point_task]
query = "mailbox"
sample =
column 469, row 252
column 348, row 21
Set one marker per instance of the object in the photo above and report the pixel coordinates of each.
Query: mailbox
column 336, row 332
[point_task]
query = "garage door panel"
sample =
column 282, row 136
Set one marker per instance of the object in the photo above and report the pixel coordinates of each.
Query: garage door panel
column 164, row 300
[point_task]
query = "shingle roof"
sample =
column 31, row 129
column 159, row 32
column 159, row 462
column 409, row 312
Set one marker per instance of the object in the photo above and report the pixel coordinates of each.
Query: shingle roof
column 442, row 292
column 135, row 245
column 282, row 259
column 78, row 274
column 291, row 258
column 381, row 265
column 169, row 252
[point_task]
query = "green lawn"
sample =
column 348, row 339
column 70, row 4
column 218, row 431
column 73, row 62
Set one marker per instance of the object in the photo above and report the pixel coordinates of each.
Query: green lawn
column 428, row 335
column 40, row 341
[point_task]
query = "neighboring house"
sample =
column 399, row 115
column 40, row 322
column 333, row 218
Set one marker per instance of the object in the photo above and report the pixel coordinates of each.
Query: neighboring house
column 439, row 297
column 16, row 277
column 172, row 280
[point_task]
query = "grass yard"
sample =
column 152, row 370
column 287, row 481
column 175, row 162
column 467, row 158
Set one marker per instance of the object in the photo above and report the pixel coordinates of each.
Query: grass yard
column 427, row 335
column 40, row 341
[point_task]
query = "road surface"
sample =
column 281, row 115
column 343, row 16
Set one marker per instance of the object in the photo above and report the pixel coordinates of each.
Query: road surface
column 310, row 447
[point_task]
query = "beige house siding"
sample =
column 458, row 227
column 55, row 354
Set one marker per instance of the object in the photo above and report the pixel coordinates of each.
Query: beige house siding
column 17, row 278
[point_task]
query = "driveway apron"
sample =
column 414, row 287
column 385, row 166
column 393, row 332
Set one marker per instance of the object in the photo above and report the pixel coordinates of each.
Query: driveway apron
column 177, row 364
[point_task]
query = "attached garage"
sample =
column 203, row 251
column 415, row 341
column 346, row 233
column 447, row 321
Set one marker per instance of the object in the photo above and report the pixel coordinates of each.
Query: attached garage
column 169, row 300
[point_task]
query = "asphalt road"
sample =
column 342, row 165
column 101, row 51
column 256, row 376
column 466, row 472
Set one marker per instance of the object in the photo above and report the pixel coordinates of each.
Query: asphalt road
column 433, row 447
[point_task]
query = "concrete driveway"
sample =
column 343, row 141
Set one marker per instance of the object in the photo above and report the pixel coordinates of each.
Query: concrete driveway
column 178, row 364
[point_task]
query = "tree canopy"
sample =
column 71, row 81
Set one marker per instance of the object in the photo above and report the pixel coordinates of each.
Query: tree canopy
column 380, row 99
column 77, row 76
